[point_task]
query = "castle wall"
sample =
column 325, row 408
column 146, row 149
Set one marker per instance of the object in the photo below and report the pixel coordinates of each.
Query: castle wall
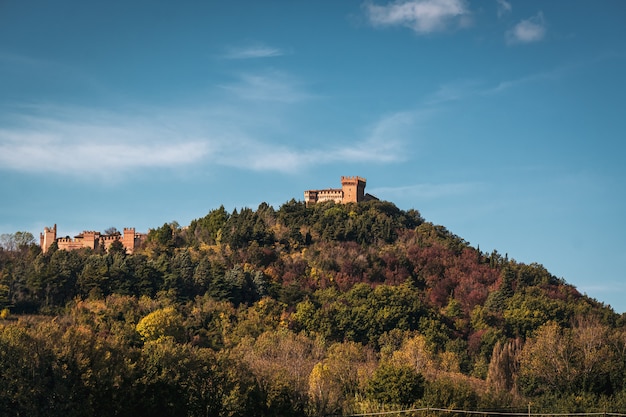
column 106, row 241
column 66, row 243
column 335, row 195
column 352, row 191
column 91, row 239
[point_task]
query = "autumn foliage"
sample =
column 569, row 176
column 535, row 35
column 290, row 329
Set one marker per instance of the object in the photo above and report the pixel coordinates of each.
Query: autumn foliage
column 329, row 309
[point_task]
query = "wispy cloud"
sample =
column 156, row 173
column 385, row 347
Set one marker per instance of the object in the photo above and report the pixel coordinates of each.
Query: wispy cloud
column 387, row 138
column 253, row 52
column 384, row 142
column 527, row 31
column 469, row 88
column 422, row 16
column 504, row 8
column 453, row 91
column 89, row 144
column 270, row 86
column 505, row 85
column 92, row 144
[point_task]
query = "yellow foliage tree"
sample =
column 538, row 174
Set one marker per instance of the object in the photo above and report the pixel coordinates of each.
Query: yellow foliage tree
column 164, row 322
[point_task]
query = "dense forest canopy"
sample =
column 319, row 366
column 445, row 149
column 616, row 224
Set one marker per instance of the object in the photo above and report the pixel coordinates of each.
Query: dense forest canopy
column 328, row 309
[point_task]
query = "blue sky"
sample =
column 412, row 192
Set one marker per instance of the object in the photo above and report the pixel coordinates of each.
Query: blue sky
column 502, row 120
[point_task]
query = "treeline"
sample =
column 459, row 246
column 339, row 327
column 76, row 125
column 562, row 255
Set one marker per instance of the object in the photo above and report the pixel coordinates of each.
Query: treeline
column 329, row 309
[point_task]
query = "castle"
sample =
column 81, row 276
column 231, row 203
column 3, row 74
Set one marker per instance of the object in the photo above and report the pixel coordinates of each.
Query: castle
column 90, row 239
column 352, row 191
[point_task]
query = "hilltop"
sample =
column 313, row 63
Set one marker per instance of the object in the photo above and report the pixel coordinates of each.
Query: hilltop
column 327, row 308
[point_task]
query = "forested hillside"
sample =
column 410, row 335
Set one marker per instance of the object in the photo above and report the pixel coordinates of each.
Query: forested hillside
column 330, row 309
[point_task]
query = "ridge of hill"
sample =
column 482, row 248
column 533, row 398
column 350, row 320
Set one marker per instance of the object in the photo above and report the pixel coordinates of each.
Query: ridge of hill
column 332, row 308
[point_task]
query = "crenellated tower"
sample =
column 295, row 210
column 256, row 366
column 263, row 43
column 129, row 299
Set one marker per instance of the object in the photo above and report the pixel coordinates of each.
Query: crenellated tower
column 353, row 189
column 48, row 237
column 128, row 240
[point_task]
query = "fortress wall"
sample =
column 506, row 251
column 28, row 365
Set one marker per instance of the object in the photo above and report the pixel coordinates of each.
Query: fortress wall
column 335, row 195
column 352, row 191
column 91, row 239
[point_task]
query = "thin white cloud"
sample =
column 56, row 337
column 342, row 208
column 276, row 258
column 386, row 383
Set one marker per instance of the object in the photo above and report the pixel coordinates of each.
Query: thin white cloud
column 527, row 31
column 271, row 86
column 253, row 52
column 504, row 8
column 469, row 88
column 89, row 144
column 422, row 16
column 506, row 85
column 384, row 143
column 386, row 139
column 453, row 91
column 92, row 145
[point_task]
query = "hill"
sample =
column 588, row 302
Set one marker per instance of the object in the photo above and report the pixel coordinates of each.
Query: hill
column 299, row 311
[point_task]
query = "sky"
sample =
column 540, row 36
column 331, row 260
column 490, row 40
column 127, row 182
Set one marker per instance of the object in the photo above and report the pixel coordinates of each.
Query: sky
column 503, row 120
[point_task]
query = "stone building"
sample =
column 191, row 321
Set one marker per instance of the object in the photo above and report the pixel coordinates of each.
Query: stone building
column 352, row 191
column 91, row 239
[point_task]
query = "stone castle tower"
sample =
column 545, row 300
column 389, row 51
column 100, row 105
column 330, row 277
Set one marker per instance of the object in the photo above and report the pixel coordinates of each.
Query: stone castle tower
column 48, row 237
column 353, row 189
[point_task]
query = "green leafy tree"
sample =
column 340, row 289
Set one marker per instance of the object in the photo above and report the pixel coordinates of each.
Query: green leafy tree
column 396, row 385
column 209, row 228
column 450, row 392
column 93, row 280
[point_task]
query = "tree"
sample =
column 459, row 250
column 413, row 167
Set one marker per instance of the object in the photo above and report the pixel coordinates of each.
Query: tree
column 164, row 322
column 93, row 280
column 25, row 366
column 504, row 366
column 15, row 241
column 117, row 247
column 596, row 358
column 163, row 239
column 337, row 380
column 451, row 392
column 282, row 362
column 547, row 361
column 209, row 228
column 396, row 384
column 111, row 231
column 415, row 353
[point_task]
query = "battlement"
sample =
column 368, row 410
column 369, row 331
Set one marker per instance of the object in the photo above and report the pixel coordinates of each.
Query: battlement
column 350, row 180
column 91, row 239
column 48, row 236
column 352, row 191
